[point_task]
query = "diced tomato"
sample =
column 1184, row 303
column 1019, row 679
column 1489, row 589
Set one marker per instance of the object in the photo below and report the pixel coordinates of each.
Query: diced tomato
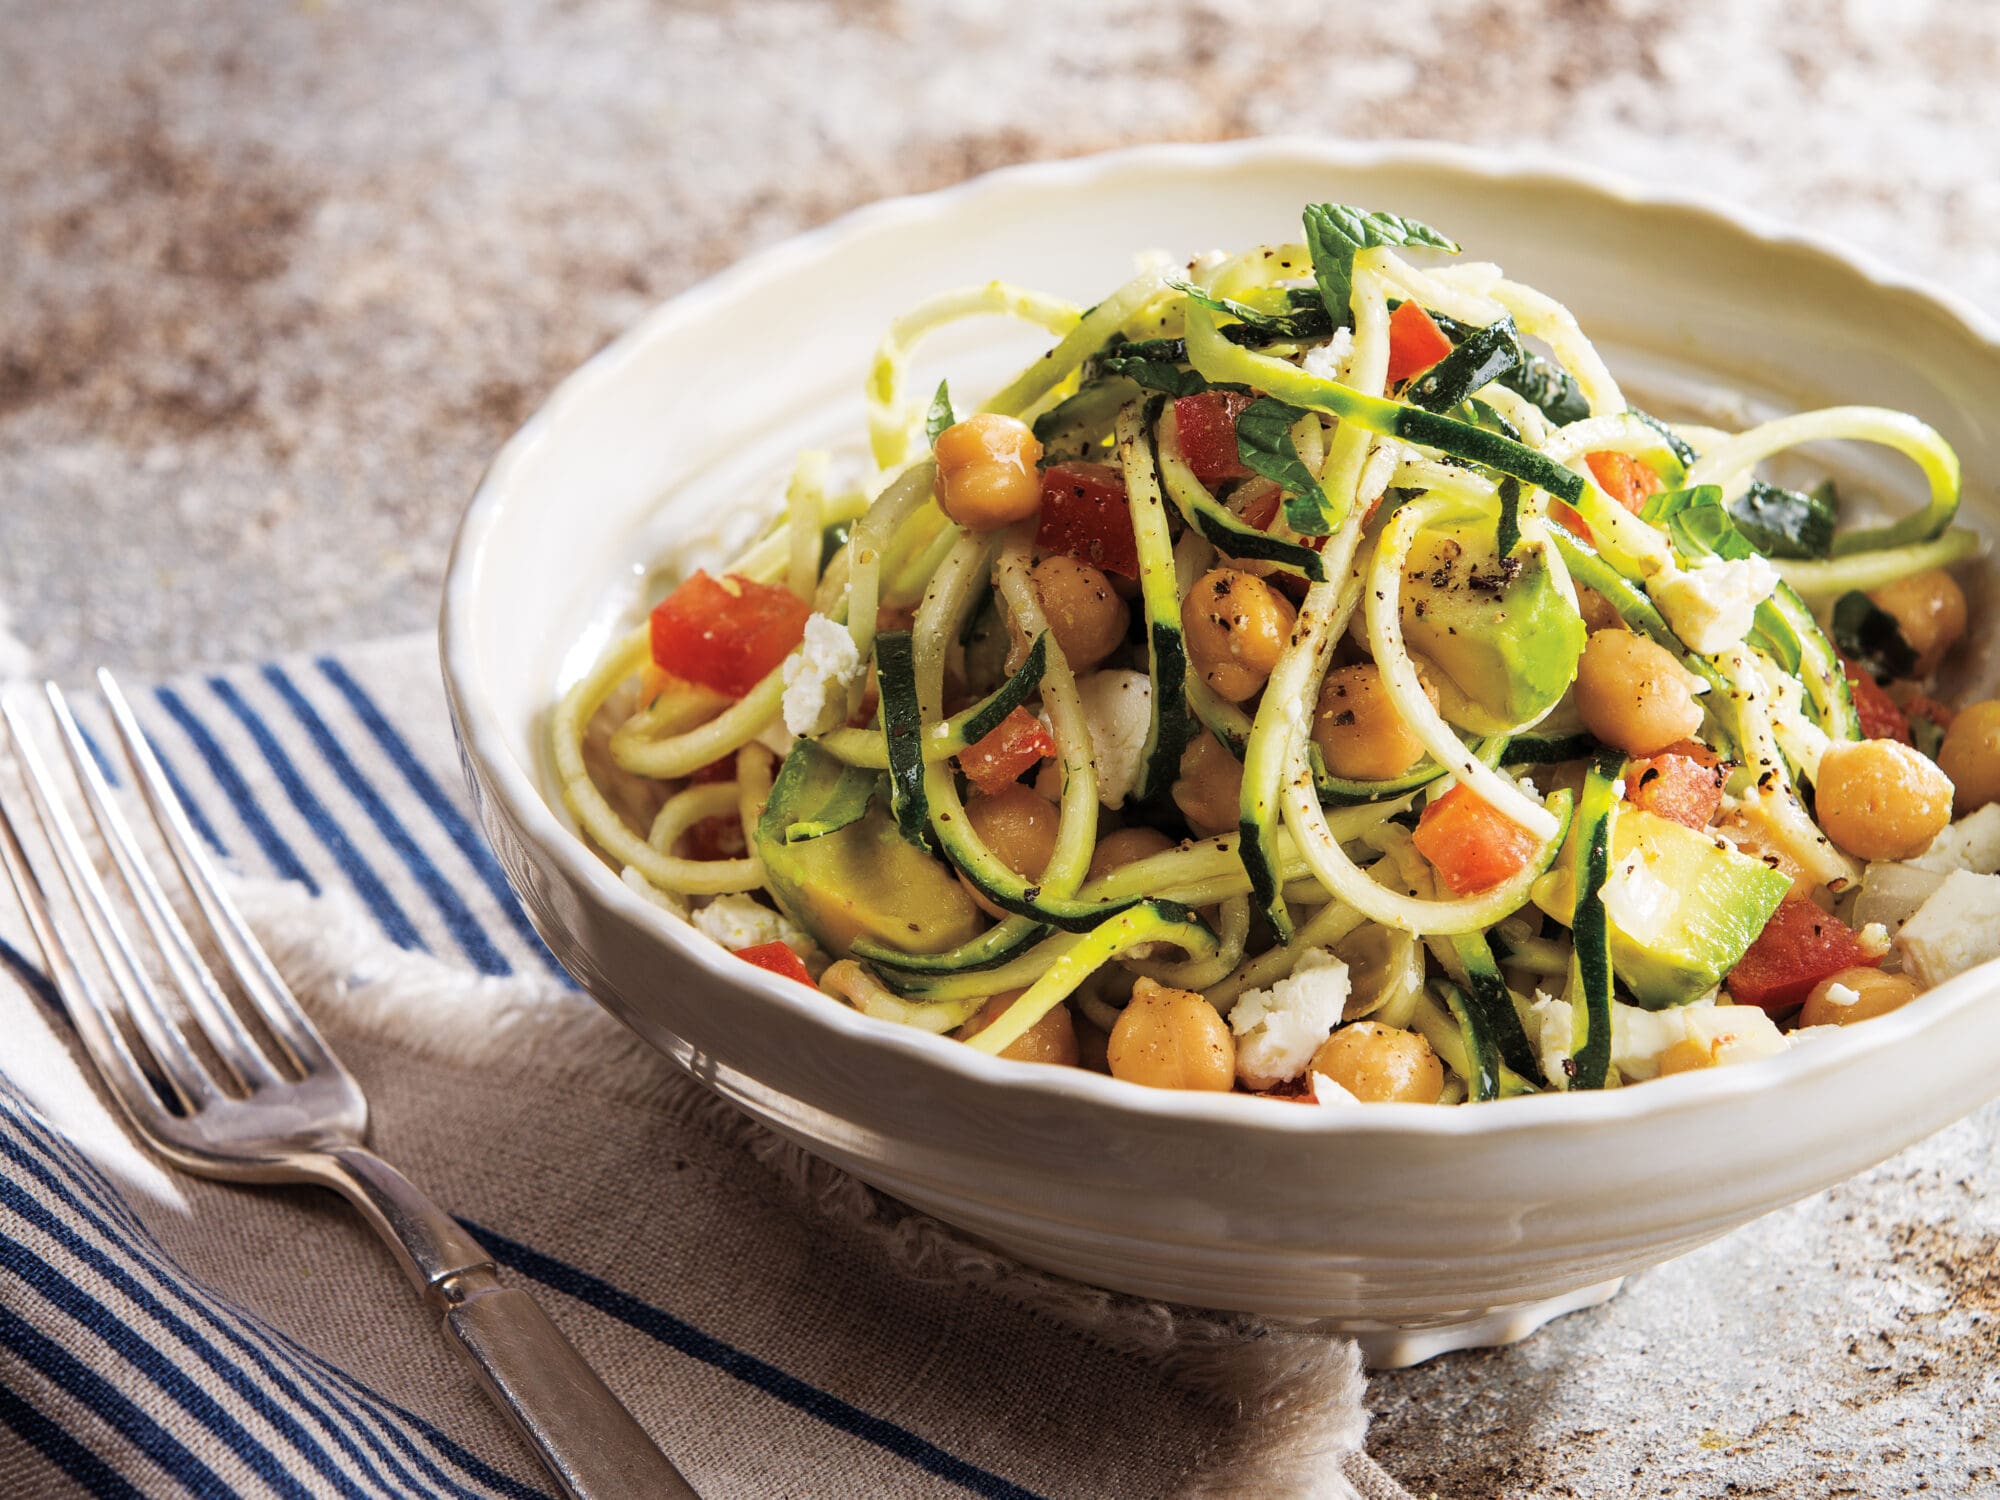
column 1415, row 343
column 722, row 768
column 1014, row 744
column 727, row 635
column 777, row 958
column 1207, row 425
column 1575, row 524
column 1799, row 946
column 1682, row 784
column 717, row 837
column 1472, row 844
column 1881, row 719
column 1084, row 515
column 1624, row 478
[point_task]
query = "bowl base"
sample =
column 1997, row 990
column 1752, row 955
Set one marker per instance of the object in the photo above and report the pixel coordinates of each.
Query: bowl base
column 1396, row 1346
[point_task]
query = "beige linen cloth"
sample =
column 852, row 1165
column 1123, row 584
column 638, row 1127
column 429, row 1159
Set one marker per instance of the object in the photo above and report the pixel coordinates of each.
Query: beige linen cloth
column 780, row 1328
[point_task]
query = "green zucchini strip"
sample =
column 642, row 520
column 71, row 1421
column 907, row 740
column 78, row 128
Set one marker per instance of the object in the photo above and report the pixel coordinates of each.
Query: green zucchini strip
column 1731, row 461
column 1482, row 1056
column 1590, row 926
column 864, row 747
column 1480, row 359
column 1341, row 791
column 1159, row 592
column 1487, row 992
column 1228, row 532
column 968, row 983
column 891, row 421
column 902, row 734
column 1823, row 582
column 1148, row 922
column 1089, row 334
column 1000, row 944
column 1233, row 919
column 901, row 498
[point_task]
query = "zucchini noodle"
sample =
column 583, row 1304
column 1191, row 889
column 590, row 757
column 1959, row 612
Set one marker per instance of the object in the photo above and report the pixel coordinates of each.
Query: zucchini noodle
column 961, row 719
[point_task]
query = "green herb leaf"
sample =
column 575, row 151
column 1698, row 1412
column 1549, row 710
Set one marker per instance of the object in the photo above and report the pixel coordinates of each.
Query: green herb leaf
column 1264, row 444
column 1787, row 523
column 1253, row 326
column 1154, row 374
column 1336, row 232
column 939, row 416
column 1868, row 636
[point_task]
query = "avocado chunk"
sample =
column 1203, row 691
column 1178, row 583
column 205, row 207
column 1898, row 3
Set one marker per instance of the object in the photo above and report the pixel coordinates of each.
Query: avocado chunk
column 859, row 877
column 1499, row 638
column 1682, row 906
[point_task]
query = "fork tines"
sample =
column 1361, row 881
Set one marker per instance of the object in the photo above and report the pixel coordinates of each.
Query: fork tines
column 166, row 1053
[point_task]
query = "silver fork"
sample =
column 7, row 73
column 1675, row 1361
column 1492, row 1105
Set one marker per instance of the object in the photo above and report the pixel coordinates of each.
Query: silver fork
column 261, row 1124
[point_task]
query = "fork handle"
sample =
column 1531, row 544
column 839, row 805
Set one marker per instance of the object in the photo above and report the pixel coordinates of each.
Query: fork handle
column 588, row 1440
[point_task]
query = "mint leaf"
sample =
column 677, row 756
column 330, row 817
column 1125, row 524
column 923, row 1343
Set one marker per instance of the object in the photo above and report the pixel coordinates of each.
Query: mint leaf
column 1335, row 232
column 1300, row 324
column 1154, row 374
column 1868, row 636
column 940, row 415
column 1264, row 444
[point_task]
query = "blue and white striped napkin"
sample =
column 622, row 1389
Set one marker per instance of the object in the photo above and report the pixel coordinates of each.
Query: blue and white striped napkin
column 781, row 1329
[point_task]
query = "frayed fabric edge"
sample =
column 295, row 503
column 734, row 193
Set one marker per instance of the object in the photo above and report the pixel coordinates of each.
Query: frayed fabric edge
column 1298, row 1394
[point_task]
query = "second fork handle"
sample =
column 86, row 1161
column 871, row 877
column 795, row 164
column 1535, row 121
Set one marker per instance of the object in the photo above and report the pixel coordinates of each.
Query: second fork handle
column 588, row 1440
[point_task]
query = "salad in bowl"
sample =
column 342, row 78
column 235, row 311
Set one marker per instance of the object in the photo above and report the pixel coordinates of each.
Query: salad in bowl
column 1312, row 677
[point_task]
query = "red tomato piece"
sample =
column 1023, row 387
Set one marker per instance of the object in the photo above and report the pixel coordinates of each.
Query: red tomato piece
column 1569, row 520
column 1415, row 343
column 1881, row 719
column 1014, row 744
column 717, row 837
column 1624, row 478
column 727, row 634
column 1207, row 425
column 1471, row 843
column 1682, row 784
column 1799, row 946
column 1084, row 515
column 779, row 959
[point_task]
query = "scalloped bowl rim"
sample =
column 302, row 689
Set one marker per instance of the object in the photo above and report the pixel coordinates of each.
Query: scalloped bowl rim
column 486, row 740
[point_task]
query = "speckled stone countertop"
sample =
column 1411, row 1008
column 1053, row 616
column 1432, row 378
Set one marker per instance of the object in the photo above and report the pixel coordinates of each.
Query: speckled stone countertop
column 278, row 277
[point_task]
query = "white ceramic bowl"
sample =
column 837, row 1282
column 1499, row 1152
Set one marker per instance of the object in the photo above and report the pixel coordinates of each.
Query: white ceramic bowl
column 1427, row 1228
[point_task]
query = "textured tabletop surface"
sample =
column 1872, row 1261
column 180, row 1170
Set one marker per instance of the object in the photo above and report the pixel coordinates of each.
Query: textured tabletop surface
column 278, row 277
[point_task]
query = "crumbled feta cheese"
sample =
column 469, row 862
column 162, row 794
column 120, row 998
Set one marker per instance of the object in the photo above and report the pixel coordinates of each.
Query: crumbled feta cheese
column 1841, row 995
column 818, row 677
column 1732, row 1034
column 1956, row 929
column 1279, row 1029
column 1553, row 1033
column 1711, row 605
column 1118, row 708
column 742, row 922
column 1325, row 360
column 1326, row 1091
column 1640, row 1037
column 1874, row 940
column 1972, row 843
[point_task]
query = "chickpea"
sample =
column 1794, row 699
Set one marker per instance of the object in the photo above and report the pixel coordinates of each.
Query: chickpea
column 1598, row 612
column 1050, row 1040
column 1359, row 733
column 1929, row 611
column 986, row 471
column 1880, row 799
column 1380, row 1064
column 1019, row 826
column 1631, row 693
column 1126, row 846
column 1880, row 993
column 1172, row 1039
column 1086, row 616
column 1237, row 626
column 1970, row 756
column 1210, row 789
